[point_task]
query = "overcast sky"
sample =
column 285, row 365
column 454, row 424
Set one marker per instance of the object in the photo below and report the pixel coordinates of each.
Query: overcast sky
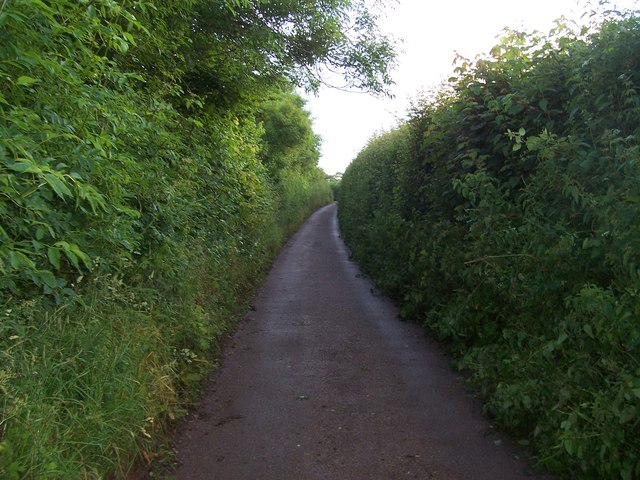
column 431, row 32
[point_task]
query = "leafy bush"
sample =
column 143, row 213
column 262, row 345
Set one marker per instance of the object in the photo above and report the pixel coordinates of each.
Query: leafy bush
column 509, row 225
column 139, row 208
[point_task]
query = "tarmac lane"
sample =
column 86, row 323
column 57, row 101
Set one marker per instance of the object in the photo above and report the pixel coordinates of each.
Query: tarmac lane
column 322, row 381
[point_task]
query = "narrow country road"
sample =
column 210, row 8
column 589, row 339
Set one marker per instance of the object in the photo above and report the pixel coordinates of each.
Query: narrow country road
column 323, row 381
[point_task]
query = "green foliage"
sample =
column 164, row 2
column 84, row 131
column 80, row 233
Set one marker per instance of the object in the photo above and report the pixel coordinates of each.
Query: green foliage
column 335, row 182
column 152, row 161
column 369, row 210
column 290, row 152
column 505, row 215
column 263, row 41
column 289, row 140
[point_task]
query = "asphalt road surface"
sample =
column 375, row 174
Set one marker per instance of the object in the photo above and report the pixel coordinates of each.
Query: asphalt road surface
column 323, row 381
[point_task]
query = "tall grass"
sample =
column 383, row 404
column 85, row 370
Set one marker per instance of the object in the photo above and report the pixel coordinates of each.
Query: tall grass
column 88, row 389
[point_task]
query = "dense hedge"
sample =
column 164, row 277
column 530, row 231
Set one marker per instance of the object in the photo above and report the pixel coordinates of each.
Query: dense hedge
column 505, row 214
column 138, row 211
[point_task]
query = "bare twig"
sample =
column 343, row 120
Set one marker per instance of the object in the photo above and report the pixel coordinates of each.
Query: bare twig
column 486, row 258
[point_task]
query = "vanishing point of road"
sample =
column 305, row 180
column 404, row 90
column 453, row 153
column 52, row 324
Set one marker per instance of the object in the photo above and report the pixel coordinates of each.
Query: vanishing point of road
column 322, row 381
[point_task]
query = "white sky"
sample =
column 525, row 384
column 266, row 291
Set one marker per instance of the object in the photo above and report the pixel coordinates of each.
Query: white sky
column 432, row 33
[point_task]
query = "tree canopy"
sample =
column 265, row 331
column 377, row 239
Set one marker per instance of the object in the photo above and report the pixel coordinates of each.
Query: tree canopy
column 289, row 140
column 228, row 51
